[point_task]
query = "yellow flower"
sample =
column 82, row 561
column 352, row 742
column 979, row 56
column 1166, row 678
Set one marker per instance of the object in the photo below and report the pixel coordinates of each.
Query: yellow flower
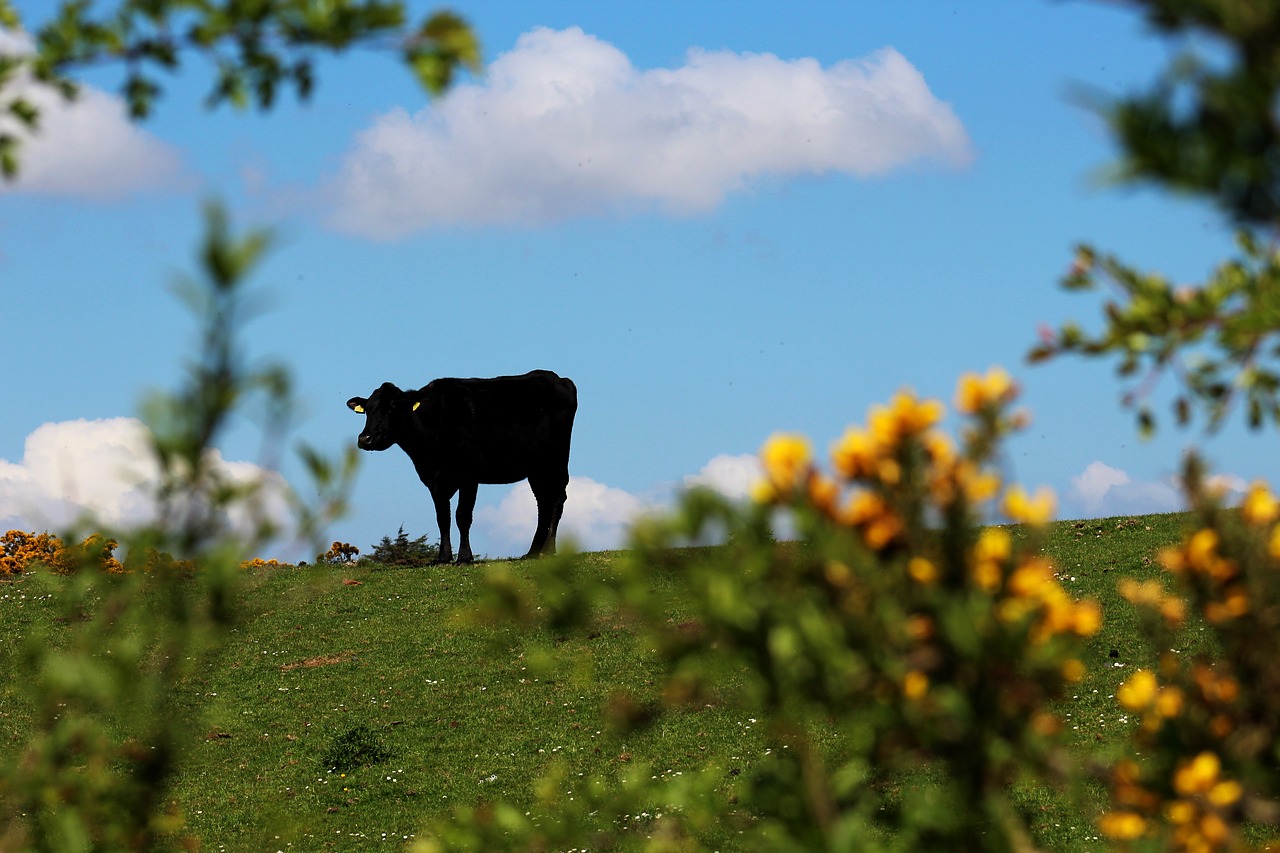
column 1122, row 826
column 991, row 552
column 786, row 458
column 1032, row 579
column 906, row 415
column 1139, row 691
column 994, row 543
column 823, row 492
column 879, row 524
column 1260, row 506
column 1086, row 619
column 1225, row 794
column 1020, row 507
column 855, row 454
column 1169, row 702
column 1180, row 812
column 975, row 393
column 915, row 685
column 1073, row 670
column 922, row 571
column 1197, row 776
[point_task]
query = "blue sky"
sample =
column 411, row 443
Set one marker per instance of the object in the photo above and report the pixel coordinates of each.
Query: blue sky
column 721, row 219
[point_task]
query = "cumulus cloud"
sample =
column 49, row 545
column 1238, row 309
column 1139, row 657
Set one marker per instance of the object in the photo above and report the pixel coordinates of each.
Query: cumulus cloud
column 1101, row 490
column 596, row 518
column 103, row 472
column 86, row 147
column 563, row 125
column 731, row 476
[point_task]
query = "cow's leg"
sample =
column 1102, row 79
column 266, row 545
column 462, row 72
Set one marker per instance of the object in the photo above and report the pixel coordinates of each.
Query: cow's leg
column 466, row 503
column 441, row 499
column 555, row 521
column 550, row 495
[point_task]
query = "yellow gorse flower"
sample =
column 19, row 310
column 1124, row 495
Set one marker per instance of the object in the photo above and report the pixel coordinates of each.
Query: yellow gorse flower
column 1024, row 509
column 992, row 551
column 1139, row 692
column 915, row 684
column 787, row 459
column 1123, row 825
column 1260, row 507
column 1197, row 776
column 907, row 415
column 975, row 393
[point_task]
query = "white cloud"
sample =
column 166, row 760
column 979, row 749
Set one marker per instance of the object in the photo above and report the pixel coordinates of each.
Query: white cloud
column 596, row 518
column 103, row 472
column 564, row 126
column 1101, row 490
column 731, row 476
column 88, row 147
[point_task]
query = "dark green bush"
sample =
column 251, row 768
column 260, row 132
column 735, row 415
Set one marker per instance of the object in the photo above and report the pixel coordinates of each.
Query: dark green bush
column 357, row 747
column 404, row 551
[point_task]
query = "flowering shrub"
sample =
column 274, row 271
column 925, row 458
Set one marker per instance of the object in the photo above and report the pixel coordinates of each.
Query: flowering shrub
column 19, row 551
column 1210, row 720
column 898, row 635
column 259, row 563
column 339, row 553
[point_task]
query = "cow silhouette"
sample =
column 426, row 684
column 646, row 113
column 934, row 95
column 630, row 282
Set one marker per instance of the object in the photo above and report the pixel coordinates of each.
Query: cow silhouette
column 460, row 433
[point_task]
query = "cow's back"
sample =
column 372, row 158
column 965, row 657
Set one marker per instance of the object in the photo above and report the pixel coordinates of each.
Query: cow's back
column 504, row 427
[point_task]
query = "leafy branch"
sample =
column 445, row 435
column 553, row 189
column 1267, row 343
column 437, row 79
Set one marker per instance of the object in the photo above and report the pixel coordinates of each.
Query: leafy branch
column 256, row 46
column 1220, row 340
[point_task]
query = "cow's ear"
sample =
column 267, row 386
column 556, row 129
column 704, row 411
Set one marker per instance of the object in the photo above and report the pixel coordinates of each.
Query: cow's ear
column 356, row 404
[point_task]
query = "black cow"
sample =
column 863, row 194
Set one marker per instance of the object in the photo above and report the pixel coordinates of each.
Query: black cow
column 463, row 432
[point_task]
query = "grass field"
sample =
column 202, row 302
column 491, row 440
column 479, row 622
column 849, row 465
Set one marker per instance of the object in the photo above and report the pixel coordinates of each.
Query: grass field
column 467, row 714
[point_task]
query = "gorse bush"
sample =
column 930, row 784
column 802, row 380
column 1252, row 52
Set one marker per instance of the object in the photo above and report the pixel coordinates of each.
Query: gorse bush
column 21, row 552
column 1209, row 731
column 339, row 553
column 899, row 635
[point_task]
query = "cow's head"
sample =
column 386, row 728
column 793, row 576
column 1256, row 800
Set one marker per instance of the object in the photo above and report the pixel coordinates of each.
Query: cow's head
column 386, row 416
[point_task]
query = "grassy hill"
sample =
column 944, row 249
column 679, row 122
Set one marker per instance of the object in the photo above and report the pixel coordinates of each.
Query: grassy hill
column 331, row 668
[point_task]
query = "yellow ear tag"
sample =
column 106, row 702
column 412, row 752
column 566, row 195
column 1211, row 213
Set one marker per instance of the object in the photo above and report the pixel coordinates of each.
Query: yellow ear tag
column 359, row 410
column 416, row 405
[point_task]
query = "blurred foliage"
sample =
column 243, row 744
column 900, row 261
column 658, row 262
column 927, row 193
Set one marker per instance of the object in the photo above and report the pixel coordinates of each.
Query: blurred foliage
column 94, row 771
column 896, row 635
column 1209, row 127
column 256, row 47
column 1220, row 340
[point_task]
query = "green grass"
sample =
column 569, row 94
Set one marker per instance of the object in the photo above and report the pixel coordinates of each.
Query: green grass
column 469, row 714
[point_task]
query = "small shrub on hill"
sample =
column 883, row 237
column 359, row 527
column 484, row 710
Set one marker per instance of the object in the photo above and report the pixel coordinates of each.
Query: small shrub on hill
column 357, row 747
column 404, row 551
column 339, row 554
